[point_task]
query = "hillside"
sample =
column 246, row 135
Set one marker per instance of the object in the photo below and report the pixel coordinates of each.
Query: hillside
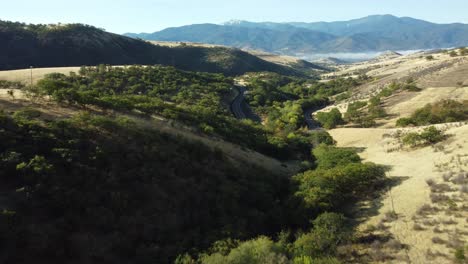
column 151, row 164
column 24, row 45
column 373, row 33
column 130, row 192
column 289, row 61
column 147, row 164
column 426, row 208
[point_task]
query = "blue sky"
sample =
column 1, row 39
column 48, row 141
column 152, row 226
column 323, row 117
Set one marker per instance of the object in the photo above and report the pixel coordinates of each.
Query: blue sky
column 122, row 16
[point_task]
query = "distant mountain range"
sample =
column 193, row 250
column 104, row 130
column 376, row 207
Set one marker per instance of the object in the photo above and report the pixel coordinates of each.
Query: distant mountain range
column 372, row 33
column 24, row 45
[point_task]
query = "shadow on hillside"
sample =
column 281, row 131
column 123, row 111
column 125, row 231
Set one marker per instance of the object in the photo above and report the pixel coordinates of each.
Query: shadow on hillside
column 249, row 113
column 359, row 149
column 370, row 207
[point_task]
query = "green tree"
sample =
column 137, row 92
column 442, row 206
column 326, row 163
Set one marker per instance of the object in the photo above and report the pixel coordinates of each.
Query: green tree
column 404, row 122
column 328, row 232
column 261, row 250
column 330, row 119
column 328, row 157
column 429, row 135
column 432, row 135
column 354, row 112
column 412, row 139
column 325, row 189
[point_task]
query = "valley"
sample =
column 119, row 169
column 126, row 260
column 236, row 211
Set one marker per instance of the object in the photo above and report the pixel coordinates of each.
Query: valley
column 412, row 170
column 210, row 144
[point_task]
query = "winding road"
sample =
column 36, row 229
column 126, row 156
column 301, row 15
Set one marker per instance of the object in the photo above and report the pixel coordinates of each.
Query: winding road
column 312, row 124
column 240, row 108
column 241, row 112
column 236, row 105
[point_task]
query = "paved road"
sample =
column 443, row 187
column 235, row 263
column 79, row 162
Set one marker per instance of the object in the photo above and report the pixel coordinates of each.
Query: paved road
column 239, row 113
column 312, row 124
column 236, row 105
column 241, row 109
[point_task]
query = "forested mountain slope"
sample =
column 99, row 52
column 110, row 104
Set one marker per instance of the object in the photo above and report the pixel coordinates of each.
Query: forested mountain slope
column 22, row 46
column 372, row 33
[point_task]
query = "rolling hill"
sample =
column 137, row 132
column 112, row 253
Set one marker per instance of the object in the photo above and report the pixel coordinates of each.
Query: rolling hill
column 24, row 45
column 372, row 33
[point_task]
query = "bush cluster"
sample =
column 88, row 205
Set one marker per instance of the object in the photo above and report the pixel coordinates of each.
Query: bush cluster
column 441, row 112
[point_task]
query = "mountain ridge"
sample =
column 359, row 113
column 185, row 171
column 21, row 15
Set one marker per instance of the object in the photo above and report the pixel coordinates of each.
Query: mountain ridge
column 25, row 45
column 371, row 33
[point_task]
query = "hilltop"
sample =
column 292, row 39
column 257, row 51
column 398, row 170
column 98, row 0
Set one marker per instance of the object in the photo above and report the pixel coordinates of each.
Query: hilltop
column 289, row 61
column 23, row 45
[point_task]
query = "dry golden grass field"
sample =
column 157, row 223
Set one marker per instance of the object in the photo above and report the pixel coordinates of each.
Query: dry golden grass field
column 430, row 195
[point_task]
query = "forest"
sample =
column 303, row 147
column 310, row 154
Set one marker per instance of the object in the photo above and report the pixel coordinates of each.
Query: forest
column 108, row 188
column 199, row 100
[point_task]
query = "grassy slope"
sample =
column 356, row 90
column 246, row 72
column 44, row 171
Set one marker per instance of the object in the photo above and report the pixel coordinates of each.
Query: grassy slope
column 412, row 169
column 440, row 80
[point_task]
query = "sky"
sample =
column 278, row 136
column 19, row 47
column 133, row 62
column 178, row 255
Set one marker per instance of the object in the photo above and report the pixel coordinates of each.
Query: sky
column 122, row 16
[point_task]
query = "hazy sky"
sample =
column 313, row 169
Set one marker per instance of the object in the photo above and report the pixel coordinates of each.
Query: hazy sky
column 121, row 16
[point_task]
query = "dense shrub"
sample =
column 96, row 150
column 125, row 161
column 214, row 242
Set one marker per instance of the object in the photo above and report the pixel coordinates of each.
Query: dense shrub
column 404, row 122
column 460, row 255
column 430, row 135
column 442, row 112
column 331, row 188
column 321, row 137
column 330, row 119
column 328, row 157
column 261, row 250
column 329, row 230
column 363, row 114
column 354, row 111
column 317, row 246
